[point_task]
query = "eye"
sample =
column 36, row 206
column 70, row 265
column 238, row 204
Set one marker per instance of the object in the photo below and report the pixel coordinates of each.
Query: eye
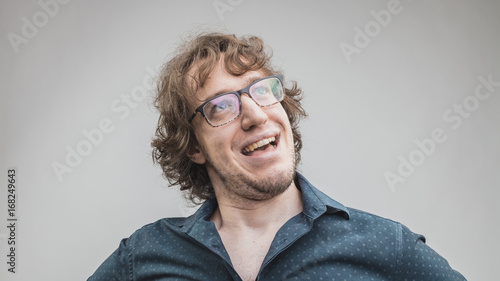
column 261, row 90
column 218, row 106
column 221, row 106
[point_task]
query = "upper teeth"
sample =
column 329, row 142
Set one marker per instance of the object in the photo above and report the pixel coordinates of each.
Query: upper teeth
column 258, row 144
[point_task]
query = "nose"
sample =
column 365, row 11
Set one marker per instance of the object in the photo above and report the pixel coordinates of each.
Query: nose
column 251, row 113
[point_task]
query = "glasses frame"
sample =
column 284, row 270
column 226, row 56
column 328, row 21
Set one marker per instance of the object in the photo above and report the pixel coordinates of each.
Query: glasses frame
column 238, row 93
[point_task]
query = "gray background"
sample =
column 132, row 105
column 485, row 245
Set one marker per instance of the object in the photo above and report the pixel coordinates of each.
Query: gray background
column 85, row 60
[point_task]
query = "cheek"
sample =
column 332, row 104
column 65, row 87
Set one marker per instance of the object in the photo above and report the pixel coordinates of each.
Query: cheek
column 280, row 114
column 214, row 141
column 282, row 110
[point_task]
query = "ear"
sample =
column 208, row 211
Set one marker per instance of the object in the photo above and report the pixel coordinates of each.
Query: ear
column 197, row 155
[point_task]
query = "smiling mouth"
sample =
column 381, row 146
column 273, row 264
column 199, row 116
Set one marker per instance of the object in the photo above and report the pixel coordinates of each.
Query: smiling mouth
column 260, row 145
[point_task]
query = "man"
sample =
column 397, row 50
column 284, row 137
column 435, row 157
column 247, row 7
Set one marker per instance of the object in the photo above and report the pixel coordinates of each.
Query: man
column 228, row 136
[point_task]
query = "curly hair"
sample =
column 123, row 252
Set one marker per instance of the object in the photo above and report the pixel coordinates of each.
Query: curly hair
column 174, row 137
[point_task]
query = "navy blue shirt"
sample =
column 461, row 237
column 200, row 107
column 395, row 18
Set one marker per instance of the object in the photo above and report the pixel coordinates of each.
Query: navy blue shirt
column 327, row 241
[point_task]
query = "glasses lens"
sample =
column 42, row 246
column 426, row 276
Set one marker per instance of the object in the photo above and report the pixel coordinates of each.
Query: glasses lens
column 267, row 92
column 222, row 109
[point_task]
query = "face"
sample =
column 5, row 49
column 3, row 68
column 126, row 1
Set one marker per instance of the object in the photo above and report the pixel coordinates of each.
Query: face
column 234, row 170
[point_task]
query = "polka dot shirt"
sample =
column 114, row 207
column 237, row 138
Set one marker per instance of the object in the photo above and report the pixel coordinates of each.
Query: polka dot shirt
column 327, row 241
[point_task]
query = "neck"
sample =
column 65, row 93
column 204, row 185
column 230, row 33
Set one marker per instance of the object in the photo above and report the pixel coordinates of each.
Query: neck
column 258, row 215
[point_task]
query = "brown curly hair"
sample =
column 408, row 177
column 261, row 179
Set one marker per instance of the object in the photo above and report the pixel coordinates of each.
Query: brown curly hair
column 174, row 138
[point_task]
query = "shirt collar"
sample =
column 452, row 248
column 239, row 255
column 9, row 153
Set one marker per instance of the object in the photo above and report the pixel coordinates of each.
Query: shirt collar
column 316, row 203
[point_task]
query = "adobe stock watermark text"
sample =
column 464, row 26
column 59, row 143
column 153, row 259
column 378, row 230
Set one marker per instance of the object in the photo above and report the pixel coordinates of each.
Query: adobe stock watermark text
column 31, row 26
column 364, row 36
column 454, row 117
column 223, row 6
column 120, row 107
column 12, row 223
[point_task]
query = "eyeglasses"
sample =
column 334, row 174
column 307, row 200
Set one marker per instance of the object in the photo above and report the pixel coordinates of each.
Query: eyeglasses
column 226, row 107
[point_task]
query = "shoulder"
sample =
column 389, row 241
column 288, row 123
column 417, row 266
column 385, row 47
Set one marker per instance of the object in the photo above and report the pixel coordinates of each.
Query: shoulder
column 377, row 225
column 364, row 221
column 415, row 259
column 161, row 229
column 161, row 239
column 371, row 230
column 363, row 216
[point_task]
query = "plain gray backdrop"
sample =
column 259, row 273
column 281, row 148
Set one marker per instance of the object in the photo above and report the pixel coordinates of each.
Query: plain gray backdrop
column 388, row 85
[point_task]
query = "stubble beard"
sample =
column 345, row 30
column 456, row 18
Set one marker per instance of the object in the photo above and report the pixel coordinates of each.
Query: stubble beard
column 237, row 185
